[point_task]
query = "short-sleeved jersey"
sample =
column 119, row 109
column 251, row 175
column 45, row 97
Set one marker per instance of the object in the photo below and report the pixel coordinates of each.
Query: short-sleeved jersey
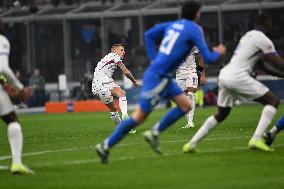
column 108, row 64
column 4, row 63
column 178, row 39
column 4, row 46
column 252, row 46
column 189, row 64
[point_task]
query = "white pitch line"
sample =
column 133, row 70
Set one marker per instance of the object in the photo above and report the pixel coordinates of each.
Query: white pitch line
column 127, row 144
column 90, row 147
column 87, row 161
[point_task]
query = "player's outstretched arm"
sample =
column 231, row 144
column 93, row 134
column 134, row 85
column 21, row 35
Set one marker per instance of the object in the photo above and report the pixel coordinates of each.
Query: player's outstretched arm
column 128, row 74
column 199, row 41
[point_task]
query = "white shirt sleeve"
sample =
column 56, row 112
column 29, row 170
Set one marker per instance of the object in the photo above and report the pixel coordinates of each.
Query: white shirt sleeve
column 4, row 64
column 4, row 46
column 265, row 44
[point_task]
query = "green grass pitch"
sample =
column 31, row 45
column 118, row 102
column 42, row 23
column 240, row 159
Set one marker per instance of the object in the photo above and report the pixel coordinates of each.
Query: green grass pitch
column 60, row 149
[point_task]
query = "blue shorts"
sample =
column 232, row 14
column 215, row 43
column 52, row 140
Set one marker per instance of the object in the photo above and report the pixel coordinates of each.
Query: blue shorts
column 156, row 88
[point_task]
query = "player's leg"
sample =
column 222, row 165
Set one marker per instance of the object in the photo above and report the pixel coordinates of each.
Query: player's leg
column 271, row 135
column 117, row 91
column 113, row 112
column 188, row 82
column 270, row 102
column 225, row 103
column 15, row 138
column 120, row 132
column 104, row 93
column 189, row 116
column 14, row 132
column 183, row 106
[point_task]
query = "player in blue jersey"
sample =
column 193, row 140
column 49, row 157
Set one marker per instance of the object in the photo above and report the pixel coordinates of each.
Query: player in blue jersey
column 178, row 39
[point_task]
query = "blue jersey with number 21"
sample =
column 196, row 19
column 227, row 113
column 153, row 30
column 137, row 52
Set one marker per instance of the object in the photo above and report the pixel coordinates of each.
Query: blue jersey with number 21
column 178, row 38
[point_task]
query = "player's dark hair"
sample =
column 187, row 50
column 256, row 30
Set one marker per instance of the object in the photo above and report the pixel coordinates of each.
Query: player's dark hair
column 116, row 45
column 262, row 19
column 1, row 27
column 190, row 9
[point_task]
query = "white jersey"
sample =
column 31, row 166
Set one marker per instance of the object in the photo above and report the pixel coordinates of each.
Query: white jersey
column 189, row 65
column 4, row 63
column 108, row 65
column 250, row 49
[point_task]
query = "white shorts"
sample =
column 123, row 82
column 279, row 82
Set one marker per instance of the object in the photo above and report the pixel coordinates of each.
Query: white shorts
column 6, row 106
column 187, row 79
column 244, row 88
column 102, row 86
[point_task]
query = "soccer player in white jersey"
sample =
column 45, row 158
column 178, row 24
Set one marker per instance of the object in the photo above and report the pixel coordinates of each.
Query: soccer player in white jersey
column 7, row 111
column 235, row 82
column 105, row 88
column 187, row 80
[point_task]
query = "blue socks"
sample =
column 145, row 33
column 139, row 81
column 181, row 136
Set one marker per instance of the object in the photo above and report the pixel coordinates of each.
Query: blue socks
column 120, row 132
column 280, row 124
column 172, row 116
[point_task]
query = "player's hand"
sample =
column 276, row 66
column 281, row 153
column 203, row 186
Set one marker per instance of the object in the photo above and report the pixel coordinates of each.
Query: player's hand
column 203, row 81
column 11, row 90
column 220, row 49
column 25, row 93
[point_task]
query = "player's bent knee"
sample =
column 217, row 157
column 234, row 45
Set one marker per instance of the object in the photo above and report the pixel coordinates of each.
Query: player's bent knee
column 276, row 102
column 139, row 116
column 10, row 118
column 222, row 114
column 121, row 93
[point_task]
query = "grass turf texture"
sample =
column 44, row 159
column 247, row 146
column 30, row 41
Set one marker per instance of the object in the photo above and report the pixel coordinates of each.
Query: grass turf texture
column 60, row 150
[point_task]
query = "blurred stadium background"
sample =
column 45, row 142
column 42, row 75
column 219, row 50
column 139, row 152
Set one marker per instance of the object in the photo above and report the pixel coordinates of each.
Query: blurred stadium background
column 70, row 36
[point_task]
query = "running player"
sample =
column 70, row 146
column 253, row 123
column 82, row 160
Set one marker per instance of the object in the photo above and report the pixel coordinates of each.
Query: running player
column 104, row 86
column 187, row 80
column 7, row 111
column 235, row 82
column 178, row 39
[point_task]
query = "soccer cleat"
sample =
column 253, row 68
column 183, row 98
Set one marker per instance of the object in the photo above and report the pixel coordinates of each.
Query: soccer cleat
column 268, row 138
column 153, row 141
column 187, row 148
column 132, row 131
column 189, row 126
column 102, row 153
column 259, row 144
column 21, row 169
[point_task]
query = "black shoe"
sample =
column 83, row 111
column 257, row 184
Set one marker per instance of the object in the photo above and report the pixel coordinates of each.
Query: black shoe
column 153, row 141
column 268, row 138
column 102, row 153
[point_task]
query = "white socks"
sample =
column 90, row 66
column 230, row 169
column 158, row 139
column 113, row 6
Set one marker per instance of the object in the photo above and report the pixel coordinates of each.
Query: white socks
column 267, row 115
column 15, row 138
column 209, row 124
column 190, row 114
column 115, row 117
column 123, row 105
